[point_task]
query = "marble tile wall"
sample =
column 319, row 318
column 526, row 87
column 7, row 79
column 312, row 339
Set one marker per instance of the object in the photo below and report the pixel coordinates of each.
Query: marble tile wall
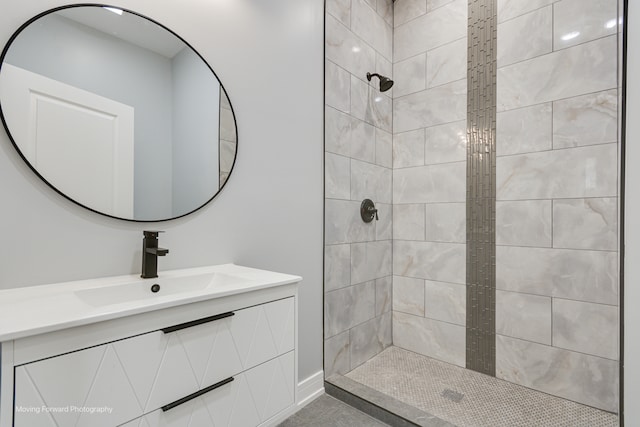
column 557, row 188
column 557, row 198
column 429, row 177
column 358, row 165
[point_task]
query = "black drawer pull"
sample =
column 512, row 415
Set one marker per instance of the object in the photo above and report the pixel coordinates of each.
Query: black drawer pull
column 185, row 399
column 196, row 322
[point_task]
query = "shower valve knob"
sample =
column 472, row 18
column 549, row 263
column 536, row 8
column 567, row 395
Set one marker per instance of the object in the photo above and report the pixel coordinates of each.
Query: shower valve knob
column 368, row 211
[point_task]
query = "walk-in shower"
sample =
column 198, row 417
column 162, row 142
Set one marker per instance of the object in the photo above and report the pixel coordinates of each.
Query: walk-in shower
column 487, row 291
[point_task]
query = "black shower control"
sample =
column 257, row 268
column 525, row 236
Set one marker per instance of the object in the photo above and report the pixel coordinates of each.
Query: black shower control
column 368, row 210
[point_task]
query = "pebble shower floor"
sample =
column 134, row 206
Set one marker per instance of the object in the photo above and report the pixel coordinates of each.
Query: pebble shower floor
column 467, row 398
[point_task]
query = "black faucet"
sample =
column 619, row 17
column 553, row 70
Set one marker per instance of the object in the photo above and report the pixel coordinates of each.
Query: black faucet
column 150, row 254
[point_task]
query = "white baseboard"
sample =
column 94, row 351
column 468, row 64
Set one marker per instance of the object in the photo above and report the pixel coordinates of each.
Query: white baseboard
column 310, row 388
column 307, row 391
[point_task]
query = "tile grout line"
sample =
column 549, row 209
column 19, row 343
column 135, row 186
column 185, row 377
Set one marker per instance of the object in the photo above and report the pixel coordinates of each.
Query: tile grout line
column 559, row 149
column 502, row 66
column 551, row 308
column 369, row 45
column 566, row 98
column 560, row 349
column 553, row 202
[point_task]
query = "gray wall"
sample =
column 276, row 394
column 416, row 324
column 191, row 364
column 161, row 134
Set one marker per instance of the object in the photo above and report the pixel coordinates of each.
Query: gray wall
column 136, row 77
column 46, row 238
column 196, row 112
column 358, row 166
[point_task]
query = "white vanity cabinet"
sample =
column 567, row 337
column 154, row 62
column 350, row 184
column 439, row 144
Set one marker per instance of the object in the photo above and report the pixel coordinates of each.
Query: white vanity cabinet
column 224, row 362
column 141, row 374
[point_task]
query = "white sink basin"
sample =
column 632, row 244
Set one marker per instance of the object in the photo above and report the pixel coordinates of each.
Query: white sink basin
column 171, row 286
column 46, row 308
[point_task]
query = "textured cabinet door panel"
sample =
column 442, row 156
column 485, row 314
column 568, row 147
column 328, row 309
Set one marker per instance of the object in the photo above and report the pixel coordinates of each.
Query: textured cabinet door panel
column 251, row 398
column 263, row 332
column 75, row 390
column 28, row 405
column 271, row 385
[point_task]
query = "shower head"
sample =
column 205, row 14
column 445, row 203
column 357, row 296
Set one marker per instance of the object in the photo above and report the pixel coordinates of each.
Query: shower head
column 385, row 82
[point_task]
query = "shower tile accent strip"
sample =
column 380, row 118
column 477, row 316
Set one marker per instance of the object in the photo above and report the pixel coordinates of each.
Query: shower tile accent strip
column 481, row 186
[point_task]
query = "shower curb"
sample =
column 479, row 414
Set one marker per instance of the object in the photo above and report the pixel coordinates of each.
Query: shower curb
column 379, row 405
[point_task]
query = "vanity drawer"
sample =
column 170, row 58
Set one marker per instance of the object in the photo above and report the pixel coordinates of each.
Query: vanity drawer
column 250, row 399
column 137, row 375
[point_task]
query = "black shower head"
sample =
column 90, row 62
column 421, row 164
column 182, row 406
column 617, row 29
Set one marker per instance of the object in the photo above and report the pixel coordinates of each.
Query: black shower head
column 385, row 82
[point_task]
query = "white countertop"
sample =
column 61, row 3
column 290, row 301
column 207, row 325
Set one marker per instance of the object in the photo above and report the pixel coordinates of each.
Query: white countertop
column 46, row 308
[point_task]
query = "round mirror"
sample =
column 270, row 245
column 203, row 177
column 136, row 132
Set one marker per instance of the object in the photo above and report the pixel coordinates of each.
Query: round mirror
column 117, row 113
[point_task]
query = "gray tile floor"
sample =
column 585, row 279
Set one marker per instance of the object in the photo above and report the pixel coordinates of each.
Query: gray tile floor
column 327, row 411
column 467, row 398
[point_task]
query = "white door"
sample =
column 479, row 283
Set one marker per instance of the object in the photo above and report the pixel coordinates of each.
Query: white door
column 80, row 142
